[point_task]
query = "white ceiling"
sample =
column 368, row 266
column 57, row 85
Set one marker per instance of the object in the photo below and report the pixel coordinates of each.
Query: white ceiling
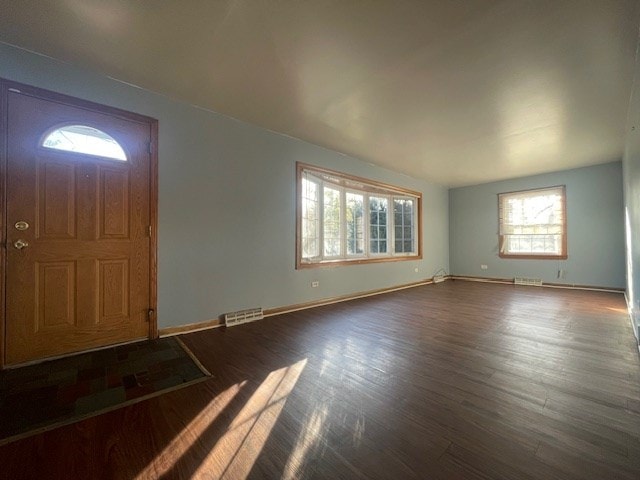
column 455, row 91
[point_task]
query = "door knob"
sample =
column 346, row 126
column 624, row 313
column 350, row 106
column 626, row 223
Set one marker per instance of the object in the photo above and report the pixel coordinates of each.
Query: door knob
column 20, row 244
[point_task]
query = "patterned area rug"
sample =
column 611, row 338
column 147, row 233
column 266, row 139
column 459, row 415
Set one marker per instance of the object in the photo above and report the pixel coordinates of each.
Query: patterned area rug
column 41, row 397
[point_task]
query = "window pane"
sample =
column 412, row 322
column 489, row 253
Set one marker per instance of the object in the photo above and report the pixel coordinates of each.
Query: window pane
column 404, row 227
column 378, row 225
column 355, row 223
column 84, row 139
column 331, row 222
column 310, row 220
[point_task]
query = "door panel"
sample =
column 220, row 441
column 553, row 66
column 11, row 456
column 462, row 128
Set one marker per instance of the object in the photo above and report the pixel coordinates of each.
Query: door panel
column 55, row 295
column 114, row 203
column 55, row 207
column 114, row 289
column 82, row 280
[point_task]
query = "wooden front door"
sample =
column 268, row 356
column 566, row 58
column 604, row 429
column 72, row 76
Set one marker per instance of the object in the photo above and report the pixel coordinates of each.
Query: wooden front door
column 77, row 226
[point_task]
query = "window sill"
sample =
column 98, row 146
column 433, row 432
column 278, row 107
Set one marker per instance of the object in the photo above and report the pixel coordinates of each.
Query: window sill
column 530, row 256
column 356, row 261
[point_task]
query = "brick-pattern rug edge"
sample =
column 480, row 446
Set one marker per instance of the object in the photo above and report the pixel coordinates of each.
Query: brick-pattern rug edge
column 51, row 394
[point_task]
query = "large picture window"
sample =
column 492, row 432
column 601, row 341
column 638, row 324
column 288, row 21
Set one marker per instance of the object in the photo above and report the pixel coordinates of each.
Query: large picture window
column 346, row 219
column 533, row 224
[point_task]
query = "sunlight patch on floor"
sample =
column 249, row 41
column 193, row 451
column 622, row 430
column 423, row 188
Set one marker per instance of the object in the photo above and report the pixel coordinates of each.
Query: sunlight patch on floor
column 618, row 310
column 165, row 461
column 236, row 451
column 310, row 436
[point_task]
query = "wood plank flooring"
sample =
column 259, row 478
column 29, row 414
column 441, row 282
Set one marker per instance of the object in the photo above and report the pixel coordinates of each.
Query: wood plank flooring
column 457, row 380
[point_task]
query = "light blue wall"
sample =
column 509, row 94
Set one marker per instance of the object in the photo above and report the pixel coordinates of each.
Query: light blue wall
column 631, row 175
column 227, row 203
column 595, row 228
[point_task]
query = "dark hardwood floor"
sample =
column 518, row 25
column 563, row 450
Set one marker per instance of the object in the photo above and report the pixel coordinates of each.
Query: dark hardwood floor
column 455, row 380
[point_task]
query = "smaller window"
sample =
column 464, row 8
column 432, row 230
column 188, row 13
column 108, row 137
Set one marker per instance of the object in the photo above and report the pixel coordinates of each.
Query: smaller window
column 84, row 139
column 533, row 224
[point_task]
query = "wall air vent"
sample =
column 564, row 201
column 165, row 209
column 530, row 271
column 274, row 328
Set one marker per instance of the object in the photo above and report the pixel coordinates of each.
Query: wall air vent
column 243, row 316
column 536, row 282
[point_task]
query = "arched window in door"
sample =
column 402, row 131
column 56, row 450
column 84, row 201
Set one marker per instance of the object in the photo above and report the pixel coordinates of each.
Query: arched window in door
column 85, row 140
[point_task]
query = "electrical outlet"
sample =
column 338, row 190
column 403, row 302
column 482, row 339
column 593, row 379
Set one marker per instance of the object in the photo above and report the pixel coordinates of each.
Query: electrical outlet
column 415, row 269
column 484, row 267
column 315, row 283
